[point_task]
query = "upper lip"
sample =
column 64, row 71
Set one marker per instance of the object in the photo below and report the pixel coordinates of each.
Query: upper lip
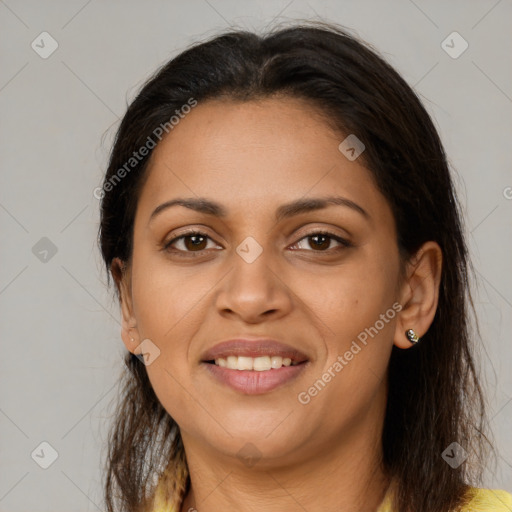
column 253, row 348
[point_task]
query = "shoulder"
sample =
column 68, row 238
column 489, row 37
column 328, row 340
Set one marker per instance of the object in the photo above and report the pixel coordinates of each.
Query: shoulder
column 479, row 500
column 488, row 500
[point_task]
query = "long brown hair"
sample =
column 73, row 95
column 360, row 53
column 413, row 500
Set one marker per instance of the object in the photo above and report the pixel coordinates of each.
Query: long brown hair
column 434, row 397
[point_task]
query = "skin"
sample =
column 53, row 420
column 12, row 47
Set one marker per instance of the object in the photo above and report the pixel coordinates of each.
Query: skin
column 252, row 157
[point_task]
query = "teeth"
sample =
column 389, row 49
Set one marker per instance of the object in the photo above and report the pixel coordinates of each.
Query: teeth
column 245, row 363
column 259, row 364
column 232, row 363
column 276, row 362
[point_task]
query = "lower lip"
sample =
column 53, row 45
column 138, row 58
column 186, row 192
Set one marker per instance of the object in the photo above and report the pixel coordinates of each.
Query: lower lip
column 251, row 382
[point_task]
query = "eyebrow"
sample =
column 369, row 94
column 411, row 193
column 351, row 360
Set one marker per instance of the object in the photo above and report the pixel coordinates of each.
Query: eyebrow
column 286, row 210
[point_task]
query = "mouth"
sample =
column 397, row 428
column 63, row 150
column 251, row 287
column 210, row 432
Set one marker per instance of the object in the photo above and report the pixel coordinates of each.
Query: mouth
column 254, row 366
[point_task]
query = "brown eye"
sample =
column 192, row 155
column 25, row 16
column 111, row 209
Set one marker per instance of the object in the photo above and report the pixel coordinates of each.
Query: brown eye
column 321, row 242
column 192, row 242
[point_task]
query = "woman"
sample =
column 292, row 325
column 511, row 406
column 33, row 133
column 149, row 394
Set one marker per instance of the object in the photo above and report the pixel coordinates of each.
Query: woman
column 281, row 226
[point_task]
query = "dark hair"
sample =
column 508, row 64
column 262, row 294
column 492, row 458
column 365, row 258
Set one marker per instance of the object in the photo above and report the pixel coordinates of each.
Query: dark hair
column 434, row 396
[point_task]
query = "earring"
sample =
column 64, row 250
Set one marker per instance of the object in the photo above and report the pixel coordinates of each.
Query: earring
column 412, row 336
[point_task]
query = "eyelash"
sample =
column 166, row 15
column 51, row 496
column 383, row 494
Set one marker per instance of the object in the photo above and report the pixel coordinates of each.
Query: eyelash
column 343, row 242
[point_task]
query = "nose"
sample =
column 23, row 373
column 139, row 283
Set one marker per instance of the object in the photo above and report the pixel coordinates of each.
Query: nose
column 254, row 290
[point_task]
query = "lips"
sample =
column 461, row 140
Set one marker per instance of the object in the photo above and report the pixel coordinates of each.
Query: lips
column 243, row 378
column 253, row 348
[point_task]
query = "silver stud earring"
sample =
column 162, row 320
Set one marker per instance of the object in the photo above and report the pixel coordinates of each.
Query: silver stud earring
column 412, row 336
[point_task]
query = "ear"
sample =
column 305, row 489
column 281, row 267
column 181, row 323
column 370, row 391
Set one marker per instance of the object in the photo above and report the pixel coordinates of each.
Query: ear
column 122, row 277
column 419, row 293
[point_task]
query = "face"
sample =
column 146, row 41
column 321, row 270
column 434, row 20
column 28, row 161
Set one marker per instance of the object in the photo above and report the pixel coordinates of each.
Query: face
column 322, row 281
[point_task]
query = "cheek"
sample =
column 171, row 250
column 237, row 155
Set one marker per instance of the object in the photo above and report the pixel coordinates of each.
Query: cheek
column 165, row 297
column 358, row 308
column 354, row 298
column 169, row 306
column 360, row 315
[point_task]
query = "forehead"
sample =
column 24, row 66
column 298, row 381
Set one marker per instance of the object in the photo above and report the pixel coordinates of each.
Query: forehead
column 251, row 154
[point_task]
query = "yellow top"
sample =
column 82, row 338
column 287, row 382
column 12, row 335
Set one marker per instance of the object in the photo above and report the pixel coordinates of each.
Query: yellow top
column 483, row 500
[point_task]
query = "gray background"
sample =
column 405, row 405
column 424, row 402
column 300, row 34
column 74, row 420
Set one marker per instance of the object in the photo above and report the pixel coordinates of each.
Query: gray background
column 61, row 345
